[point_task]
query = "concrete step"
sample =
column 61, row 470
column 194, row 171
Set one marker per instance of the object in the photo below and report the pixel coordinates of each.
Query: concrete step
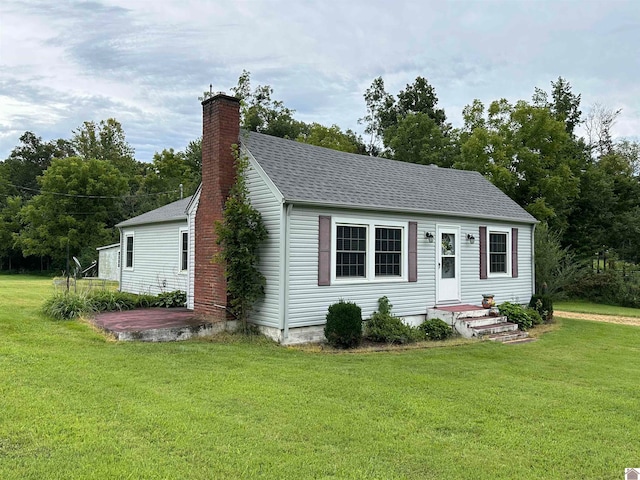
column 494, row 328
column 485, row 320
column 509, row 337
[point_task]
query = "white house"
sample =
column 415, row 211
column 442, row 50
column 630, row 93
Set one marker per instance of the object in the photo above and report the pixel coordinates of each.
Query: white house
column 341, row 226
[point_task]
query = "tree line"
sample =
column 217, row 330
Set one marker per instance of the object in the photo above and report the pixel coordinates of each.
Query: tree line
column 583, row 188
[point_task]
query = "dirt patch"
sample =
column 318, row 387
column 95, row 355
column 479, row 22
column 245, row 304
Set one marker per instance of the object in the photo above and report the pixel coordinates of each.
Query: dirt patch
column 599, row 318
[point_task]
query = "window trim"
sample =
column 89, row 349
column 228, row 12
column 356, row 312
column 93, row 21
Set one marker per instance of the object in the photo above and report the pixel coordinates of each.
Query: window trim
column 130, row 235
column 181, row 232
column 509, row 251
column 370, row 226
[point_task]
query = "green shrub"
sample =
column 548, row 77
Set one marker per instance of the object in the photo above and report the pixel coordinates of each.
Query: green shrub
column 536, row 318
column 516, row 314
column 111, row 301
column 543, row 305
column 436, row 329
column 344, row 325
column 144, row 301
column 67, row 305
column 383, row 326
column 177, row 298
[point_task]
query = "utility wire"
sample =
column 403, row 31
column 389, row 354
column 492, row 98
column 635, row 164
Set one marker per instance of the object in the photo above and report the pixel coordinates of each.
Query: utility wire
column 40, row 192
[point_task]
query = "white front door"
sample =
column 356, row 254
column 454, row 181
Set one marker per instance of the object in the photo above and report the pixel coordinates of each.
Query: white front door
column 448, row 265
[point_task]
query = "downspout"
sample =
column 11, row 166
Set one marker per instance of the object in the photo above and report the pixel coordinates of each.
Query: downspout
column 120, row 259
column 286, row 262
column 533, row 260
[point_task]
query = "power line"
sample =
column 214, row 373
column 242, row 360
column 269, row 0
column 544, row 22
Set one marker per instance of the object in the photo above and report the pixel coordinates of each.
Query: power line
column 70, row 195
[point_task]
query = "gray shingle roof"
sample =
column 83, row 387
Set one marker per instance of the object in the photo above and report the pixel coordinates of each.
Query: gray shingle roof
column 309, row 174
column 172, row 211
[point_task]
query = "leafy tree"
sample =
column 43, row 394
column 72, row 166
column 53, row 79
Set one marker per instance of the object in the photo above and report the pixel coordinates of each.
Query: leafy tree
column 524, row 150
column 260, row 113
column 75, row 208
column 106, row 141
column 240, row 234
column 28, row 160
column 331, row 137
column 167, row 177
column 411, row 128
column 564, row 104
column 9, row 226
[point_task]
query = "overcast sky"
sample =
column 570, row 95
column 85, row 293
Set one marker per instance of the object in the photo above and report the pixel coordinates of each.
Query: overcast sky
column 145, row 62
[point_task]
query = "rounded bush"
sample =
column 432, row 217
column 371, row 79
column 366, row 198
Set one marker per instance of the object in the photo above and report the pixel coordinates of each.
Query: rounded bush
column 436, row 329
column 344, row 325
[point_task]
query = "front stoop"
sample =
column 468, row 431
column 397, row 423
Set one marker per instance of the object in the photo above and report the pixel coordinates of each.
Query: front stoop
column 471, row 321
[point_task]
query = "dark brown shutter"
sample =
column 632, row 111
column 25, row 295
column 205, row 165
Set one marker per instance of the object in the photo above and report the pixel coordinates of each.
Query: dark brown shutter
column 413, row 251
column 514, row 252
column 324, row 250
column 483, row 252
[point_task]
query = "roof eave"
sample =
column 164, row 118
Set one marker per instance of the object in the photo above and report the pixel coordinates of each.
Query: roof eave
column 384, row 208
column 152, row 222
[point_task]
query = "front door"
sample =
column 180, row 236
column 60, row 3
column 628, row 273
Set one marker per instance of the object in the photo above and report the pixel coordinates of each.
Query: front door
column 448, row 265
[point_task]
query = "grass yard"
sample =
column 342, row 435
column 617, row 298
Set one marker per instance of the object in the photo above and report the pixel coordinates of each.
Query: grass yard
column 583, row 306
column 75, row 405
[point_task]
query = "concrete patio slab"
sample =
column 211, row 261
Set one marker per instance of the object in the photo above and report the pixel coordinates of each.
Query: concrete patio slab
column 156, row 324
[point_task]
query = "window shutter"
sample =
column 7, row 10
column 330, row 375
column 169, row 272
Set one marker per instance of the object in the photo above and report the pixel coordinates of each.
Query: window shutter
column 514, row 252
column 413, row 252
column 483, row 252
column 324, row 250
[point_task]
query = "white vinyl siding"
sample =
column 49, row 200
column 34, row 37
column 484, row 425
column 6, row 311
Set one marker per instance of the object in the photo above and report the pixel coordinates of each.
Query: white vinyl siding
column 191, row 221
column 503, row 286
column 268, row 311
column 156, row 265
column 308, row 302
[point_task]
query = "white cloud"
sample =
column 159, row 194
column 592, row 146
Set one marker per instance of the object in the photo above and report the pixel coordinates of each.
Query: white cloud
column 145, row 62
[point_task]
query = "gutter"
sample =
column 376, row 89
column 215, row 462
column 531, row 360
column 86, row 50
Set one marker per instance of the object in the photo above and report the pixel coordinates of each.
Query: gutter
column 533, row 260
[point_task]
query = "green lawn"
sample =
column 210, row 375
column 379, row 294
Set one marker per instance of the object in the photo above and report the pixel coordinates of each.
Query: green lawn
column 74, row 405
column 583, row 306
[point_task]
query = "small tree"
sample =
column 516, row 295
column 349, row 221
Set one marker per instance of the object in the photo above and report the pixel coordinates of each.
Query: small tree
column 240, row 234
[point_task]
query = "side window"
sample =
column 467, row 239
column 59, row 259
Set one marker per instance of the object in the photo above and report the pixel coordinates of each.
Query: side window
column 184, row 250
column 497, row 252
column 129, row 251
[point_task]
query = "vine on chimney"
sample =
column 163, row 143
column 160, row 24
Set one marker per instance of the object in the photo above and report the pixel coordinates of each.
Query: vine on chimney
column 240, row 234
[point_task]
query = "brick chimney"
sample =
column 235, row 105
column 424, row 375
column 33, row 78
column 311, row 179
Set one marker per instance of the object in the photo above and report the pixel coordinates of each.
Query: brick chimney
column 220, row 130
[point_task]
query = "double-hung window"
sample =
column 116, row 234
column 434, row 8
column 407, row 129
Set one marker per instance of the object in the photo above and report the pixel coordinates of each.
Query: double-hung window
column 184, row 250
column 369, row 251
column 499, row 251
column 351, row 251
column 129, row 251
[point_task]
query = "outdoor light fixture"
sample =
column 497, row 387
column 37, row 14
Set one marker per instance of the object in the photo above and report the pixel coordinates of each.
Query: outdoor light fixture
column 429, row 237
column 471, row 238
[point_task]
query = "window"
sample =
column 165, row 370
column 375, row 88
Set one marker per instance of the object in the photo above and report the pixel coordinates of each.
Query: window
column 184, row 250
column 369, row 251
column 129, row 252
column 351, row 251
column 388, row 251
column 498, row 258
